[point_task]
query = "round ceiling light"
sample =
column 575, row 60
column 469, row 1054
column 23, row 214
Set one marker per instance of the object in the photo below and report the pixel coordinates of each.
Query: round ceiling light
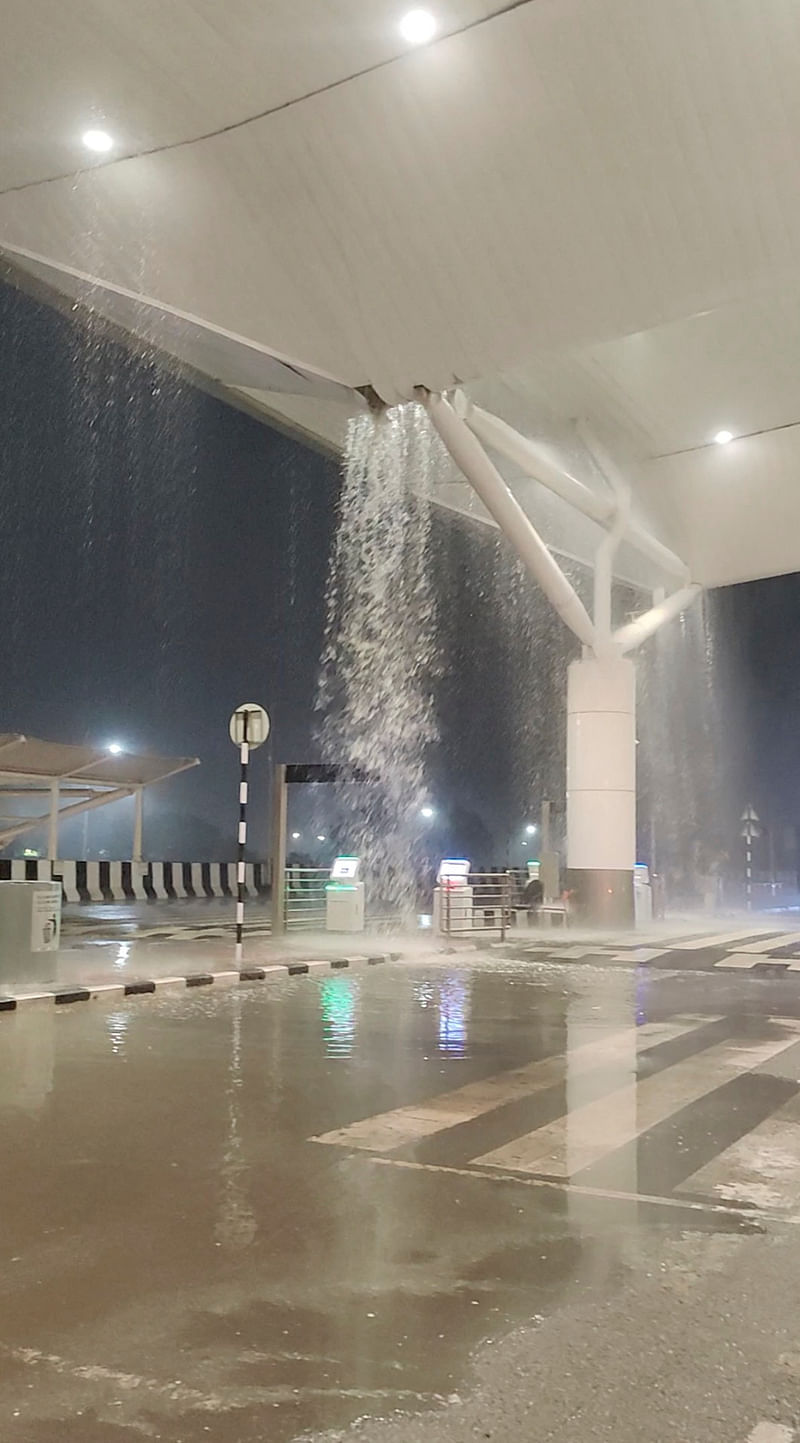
column 98, row 140
column 418, row 27
column 723, row 437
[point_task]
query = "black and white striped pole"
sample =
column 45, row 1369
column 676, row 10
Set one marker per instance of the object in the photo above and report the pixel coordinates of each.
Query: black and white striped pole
column 249, row 728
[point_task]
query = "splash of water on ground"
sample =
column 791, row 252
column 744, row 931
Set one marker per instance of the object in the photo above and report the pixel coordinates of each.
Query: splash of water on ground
column 381, row 655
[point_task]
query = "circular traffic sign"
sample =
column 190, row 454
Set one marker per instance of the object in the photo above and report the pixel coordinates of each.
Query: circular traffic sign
column 257, row 725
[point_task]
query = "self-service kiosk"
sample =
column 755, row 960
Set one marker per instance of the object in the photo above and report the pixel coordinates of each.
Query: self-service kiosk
column 452, row 897
column 344, row 897
column 642, row 894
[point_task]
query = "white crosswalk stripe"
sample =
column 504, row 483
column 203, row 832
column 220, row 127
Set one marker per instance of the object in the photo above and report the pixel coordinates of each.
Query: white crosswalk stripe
column 735, row 940
column 743, row 950
column 402, row 1125
column 761, row 1168
column 771, row 1433
column 587, row 1134
column 739, row 961
column 772, row 944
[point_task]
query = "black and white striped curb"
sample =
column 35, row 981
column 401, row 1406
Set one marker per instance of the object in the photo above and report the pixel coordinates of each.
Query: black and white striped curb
column 83, row 882
column 150, row 987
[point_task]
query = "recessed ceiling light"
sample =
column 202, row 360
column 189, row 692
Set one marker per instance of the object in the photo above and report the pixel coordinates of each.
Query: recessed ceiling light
column 723, row 437
column 97, row 140
column 418, row 27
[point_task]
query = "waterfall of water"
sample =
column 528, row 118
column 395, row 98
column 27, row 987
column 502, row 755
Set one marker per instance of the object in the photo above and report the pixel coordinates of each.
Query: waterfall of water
column 681, row 763
column 380, row 658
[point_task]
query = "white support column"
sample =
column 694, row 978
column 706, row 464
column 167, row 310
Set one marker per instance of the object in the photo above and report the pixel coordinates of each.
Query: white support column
column 52, row 831
column 601, row 787
column 138, row 823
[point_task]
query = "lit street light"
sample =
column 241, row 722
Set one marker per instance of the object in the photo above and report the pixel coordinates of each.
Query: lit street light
column 295, row 836
column 321, row 839
column 531, row 829
column 428, row 813
column 115, row 749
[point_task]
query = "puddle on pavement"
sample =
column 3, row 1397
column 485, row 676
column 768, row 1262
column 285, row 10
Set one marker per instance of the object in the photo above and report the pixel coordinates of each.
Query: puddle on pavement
column 179, row 1261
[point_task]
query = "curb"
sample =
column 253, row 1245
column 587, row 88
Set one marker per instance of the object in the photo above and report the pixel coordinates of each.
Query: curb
column 102, row 991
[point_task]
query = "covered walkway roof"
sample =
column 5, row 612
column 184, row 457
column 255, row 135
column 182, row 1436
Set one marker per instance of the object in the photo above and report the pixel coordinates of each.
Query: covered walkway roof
column 75, row 779
column 574, row 208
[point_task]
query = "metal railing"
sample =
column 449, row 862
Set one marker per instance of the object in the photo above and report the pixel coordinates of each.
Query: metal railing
column 304, row 898
column 483, row 905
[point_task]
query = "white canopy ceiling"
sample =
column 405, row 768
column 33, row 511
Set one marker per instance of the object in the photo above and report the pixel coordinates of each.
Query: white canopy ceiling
column 575, row 207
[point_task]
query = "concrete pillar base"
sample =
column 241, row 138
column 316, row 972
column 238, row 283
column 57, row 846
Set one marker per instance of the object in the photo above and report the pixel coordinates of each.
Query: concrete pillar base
column 602, row 898
column 601, row 789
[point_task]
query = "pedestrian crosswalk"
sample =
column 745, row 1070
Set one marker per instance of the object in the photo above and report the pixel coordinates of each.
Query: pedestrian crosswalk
column 585, row 1135
column 406, row 1124
column 745, row 948
column 626, row 1099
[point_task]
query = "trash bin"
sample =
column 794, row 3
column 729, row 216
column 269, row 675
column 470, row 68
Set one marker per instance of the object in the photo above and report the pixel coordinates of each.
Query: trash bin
column 30, row 931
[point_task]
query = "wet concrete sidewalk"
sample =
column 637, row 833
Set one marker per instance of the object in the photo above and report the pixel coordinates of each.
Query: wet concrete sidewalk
column 256, row 1213
column 119, row 946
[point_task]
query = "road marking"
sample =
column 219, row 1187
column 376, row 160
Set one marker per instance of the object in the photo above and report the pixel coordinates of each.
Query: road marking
column 639, row 954
column 771, row 944
column 762, row 1168
column 735, row 960
column 770, row 1433
column 385, row 1131
column 515, row 1179
column 584, row 1136
column 720, row 939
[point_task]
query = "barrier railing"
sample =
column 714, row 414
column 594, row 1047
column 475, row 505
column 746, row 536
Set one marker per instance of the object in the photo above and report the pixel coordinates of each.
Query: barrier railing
column 484, row 905
column 304, row 897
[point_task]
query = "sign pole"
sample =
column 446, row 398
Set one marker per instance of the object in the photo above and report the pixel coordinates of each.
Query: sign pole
column 244, row 759
column 249, row 728
column 279, row 850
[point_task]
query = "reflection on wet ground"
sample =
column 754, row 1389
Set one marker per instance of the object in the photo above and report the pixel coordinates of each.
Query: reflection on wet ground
column 247, row 1215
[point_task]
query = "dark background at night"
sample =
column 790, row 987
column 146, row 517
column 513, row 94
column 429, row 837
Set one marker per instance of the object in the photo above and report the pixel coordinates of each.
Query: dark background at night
column 164, row 557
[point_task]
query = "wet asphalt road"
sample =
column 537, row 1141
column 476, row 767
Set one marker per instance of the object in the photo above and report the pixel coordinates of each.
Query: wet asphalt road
column 510, row 1202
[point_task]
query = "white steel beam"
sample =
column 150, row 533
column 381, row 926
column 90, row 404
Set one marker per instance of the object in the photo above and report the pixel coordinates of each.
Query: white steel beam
column 515, row 525
column 535, row 462
column 30, row 824
column 635, row 632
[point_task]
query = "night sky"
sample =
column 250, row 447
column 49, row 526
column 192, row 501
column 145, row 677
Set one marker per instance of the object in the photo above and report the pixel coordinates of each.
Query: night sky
column 164, row 557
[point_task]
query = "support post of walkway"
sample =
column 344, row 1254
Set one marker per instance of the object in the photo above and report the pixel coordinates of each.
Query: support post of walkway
column 138, row 823
column 52, row 831
column 601, row 788
column 279, row 811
